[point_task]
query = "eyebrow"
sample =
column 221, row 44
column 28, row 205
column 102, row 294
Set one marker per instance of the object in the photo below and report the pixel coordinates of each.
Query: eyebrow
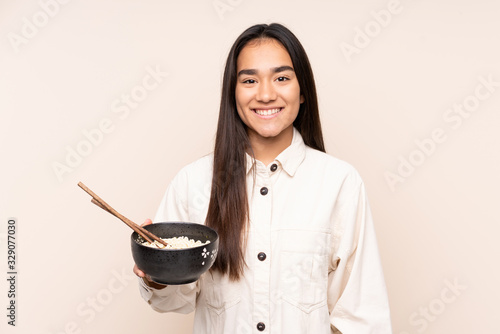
column 278, row 69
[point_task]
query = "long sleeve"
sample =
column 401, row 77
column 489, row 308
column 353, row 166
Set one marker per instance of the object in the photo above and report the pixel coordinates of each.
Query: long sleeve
column 173, row 298
column 357, row 296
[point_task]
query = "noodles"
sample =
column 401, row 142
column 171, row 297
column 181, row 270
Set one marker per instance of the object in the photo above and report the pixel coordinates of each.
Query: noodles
column 175, row 243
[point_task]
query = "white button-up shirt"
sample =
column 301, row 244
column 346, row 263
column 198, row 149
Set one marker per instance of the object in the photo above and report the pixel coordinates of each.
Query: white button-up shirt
column 321, row 273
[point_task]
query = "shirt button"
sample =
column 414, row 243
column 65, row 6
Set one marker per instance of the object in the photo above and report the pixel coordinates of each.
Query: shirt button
column 274, row 167
column 261, row 256
column 263, row 191
column 261, row 326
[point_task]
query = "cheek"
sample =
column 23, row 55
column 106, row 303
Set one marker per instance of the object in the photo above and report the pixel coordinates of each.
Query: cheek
column 293, row 89
column 242, row 115
column 240, row 105
column 293, row 96
column 241, row 96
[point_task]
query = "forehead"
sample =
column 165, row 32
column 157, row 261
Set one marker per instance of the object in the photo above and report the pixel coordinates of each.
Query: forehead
column 263, row 54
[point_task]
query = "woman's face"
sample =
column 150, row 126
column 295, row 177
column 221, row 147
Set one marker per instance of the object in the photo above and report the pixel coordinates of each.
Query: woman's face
column 267, row 91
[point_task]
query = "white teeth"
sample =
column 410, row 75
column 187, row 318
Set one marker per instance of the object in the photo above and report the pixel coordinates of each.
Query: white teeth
column 267, row 112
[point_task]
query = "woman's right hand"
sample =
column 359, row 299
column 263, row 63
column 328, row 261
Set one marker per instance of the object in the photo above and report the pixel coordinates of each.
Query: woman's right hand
column 142, row 274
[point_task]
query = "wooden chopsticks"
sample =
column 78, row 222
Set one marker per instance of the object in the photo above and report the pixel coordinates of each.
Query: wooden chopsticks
column 106, row 207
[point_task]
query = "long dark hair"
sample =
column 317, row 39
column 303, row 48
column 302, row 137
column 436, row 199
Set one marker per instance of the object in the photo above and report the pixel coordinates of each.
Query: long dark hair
column 228, row 207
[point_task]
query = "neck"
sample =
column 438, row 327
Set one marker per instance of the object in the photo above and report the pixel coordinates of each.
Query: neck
column 267, row 149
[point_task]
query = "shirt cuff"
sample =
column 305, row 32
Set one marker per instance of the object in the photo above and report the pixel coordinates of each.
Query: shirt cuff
column 146, row 291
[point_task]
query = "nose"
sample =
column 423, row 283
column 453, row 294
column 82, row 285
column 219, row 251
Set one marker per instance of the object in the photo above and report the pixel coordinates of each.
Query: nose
column 266, row 92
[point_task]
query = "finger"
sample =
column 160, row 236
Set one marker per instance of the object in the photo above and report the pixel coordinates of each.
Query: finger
column 147, row 222
column 138, row 272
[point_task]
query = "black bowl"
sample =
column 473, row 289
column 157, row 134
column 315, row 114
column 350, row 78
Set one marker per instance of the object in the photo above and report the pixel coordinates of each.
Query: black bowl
column 176, row 266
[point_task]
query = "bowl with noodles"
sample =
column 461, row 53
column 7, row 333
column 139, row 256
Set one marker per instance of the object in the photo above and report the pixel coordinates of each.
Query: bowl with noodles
column 191, row 252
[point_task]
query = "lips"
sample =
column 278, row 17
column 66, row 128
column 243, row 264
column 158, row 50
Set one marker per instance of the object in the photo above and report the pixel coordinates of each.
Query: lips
column 267, row 112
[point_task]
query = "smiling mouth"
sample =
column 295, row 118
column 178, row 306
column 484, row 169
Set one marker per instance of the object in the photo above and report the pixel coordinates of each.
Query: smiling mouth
column 267, row 112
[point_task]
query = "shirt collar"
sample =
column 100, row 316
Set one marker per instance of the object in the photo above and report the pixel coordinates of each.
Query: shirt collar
column 291, row 158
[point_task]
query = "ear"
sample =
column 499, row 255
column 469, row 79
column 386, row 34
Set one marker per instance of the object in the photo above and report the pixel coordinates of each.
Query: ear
column 302, row 99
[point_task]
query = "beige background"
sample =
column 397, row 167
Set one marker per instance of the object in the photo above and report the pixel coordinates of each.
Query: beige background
column 64, row 74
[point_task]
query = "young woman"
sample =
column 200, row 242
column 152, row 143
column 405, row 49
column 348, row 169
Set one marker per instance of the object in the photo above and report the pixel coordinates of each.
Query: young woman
column 297, row 252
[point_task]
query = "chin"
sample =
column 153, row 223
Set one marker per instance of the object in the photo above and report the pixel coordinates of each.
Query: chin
column 269, row 133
